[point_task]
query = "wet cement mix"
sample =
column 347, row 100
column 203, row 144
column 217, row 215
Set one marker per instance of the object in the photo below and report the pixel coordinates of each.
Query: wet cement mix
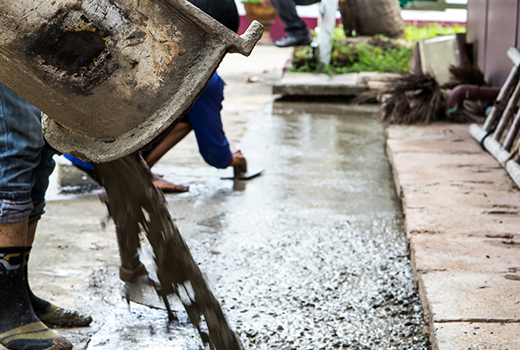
column 137, row 206
column 310, row 255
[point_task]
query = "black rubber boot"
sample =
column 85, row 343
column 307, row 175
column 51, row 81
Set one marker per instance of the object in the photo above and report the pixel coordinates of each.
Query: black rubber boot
column 20, row 328
column 52, row 315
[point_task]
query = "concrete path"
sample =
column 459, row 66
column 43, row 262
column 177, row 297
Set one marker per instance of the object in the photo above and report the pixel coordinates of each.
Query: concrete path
column 461, row 223
column 462, row 226
column 311, row 255
column 75, row 261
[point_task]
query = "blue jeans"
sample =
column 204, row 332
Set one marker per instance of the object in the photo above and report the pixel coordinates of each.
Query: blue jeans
column 25, row 159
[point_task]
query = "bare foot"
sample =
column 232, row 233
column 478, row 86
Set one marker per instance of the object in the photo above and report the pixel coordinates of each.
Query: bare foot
column 168, row 187
column 240, row 163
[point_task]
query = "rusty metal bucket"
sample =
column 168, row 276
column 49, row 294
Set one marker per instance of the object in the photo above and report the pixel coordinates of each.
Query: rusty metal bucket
column 111, row 75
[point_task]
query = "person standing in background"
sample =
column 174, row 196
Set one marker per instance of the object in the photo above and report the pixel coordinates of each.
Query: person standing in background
column 296, row 28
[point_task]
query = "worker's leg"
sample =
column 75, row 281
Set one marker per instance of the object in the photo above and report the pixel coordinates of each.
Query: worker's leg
column 286, row 10
column 21, row 141
column 160, row 149
column 207, row 124
column 48, row 313
column 168, row 142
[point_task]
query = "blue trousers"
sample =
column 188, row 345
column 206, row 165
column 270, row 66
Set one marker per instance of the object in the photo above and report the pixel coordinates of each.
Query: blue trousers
column 206, row 122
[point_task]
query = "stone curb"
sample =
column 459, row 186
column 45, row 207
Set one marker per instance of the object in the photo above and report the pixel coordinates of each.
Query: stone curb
column 308, row 84
column 462, row 222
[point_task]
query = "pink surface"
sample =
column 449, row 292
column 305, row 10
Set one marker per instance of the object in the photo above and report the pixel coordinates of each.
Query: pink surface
column 493, row 27
column 277, row 31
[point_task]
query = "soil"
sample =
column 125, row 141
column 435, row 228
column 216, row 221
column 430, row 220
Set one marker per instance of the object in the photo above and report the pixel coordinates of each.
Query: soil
column 72, row 51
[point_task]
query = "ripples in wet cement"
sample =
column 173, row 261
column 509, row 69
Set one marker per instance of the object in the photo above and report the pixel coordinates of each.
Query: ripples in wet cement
column 311, row 255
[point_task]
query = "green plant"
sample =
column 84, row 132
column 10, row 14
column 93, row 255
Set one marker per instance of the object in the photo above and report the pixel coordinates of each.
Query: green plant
column 306, row 52
column 415, row 33
column 252, row 1
column 378, row 54
column 375, row 59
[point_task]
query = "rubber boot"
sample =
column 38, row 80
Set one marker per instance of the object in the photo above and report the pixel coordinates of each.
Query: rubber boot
column 20, row 328
column 52, row 315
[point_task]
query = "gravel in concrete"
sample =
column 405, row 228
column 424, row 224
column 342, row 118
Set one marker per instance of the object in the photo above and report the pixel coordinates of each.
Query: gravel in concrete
column 311, row 255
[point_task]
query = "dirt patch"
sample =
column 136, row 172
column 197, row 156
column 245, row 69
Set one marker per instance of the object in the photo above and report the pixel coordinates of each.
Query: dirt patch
column 72, row 51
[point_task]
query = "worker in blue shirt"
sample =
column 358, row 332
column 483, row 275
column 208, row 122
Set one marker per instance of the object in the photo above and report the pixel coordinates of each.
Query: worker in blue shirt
column 203, row 118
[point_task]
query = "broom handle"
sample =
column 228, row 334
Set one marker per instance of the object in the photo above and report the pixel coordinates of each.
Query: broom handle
column 497, row 110
column 508, row 113
column 513, row 131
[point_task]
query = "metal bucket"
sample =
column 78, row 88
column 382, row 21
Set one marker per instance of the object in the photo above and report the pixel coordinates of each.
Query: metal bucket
column 111, row 75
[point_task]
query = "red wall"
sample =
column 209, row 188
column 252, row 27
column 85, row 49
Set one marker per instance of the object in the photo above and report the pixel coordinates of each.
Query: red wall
column 493, row 27
column 277, row 31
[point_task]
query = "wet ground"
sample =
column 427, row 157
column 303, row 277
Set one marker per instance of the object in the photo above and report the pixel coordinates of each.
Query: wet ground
column 310, row 255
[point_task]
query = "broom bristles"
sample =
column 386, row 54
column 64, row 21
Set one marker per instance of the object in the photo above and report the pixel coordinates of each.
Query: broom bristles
column 413, row 99
column 464, row 74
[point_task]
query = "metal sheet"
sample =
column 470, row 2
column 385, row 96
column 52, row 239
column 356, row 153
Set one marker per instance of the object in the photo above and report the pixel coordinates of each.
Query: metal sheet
column 477, row 29
column 502, row 29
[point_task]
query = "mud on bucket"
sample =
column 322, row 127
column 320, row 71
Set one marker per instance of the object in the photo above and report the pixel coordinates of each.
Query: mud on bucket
column 111, row 75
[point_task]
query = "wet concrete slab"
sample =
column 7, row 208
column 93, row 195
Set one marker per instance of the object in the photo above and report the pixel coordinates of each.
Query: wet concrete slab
column 462, row 222
column 310, row 255
column 319, row 184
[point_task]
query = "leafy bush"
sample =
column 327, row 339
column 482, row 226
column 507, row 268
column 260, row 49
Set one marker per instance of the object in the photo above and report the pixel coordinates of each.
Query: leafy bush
column 376, row 54
column 415, row 33
column 361, row 57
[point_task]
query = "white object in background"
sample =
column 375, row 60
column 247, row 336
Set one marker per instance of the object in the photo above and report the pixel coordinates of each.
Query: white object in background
column 450, row 15
column 326, row 25
column 438, row 54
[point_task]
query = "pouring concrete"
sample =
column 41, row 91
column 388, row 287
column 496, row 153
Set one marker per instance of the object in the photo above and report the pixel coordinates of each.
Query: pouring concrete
column 111, row 75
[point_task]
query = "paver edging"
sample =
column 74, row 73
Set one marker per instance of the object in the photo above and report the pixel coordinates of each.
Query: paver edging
column 403, row 179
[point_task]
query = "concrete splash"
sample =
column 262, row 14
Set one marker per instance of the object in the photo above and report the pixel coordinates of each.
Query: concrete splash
column 137, row 205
